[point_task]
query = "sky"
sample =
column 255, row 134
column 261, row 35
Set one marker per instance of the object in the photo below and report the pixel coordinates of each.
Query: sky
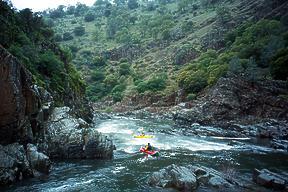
column 40, row 5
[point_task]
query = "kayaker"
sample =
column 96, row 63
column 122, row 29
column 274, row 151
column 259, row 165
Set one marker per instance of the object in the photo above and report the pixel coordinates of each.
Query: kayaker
column 149, row 147
column 142, row 134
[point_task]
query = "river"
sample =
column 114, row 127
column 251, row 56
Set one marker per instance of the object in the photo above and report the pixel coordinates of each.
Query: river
column 129, row 170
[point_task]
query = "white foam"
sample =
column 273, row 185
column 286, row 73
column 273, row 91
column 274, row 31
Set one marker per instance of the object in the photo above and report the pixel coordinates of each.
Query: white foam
column 122, row 130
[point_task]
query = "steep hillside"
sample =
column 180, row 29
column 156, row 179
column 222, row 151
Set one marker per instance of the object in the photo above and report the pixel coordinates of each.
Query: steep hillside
column 151, row 48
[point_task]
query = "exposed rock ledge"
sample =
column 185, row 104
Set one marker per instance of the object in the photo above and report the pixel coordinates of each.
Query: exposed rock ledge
column 68, row 137
column 236, row 100
column 16, row 163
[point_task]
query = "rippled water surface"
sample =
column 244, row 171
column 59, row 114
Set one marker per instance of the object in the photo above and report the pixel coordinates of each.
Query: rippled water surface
column 128, row 171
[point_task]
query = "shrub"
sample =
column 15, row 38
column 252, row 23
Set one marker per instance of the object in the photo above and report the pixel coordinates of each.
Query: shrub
column 156, row 83
column 117, row 92
column 97, row 76
column 279, row 65
column 58, row 37
column 89, row 17
column 133, row 4
column 67, row 36
column 124, row 69
column 191, row 96
column 99, row 61
column 79, row 31
column 96, row 91
column 52, row 67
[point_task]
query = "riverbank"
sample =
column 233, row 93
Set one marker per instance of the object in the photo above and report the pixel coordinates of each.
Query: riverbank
column 130, row 171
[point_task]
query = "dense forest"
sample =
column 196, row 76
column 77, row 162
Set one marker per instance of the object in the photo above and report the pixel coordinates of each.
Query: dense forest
column 127, row 48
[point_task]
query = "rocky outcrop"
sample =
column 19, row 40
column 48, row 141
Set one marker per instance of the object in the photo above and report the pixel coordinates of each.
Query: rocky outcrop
column 38, row 161
column 191, row 177
column 71, row 138
column 25, row 118
column 20, row 102
column 16, row 164
column 13, row 164
column 174, row 176
column 235, row 100
column 269, row 179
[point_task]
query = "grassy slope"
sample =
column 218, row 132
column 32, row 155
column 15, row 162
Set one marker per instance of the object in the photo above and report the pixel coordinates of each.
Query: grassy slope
column 155, row 60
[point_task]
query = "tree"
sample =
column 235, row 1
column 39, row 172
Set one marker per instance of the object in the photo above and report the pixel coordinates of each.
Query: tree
column 183, row 5
column 124, row 36
column 124, row 69
column 79, row 31
column 151, row 6
column 120, row 2
column 70, row 10
column 100, row 2
column 133, row 4
column 80, row 9
column 58, row 37
column 67, row 36
column 58, row 13
column 268, row 51
column 97, row 75
column 99, row 61
column 235, row 66
column 279, row 65
column 89, row 17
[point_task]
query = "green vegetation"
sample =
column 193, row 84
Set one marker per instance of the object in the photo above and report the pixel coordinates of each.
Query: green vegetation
column 132, row 47
column 79, row 31
column 253, row 47
column 27, row 37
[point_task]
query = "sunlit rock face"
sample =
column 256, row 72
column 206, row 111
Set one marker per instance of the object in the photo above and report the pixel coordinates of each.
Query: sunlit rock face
column 69, row 137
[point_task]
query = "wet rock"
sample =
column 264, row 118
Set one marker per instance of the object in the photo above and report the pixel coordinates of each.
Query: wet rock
column 269, row 179
column 279, row 144
column 190, row 177
column 272, row 129
column 71, row 138
column 38, row 161
column 218, row 182
column 174, row 176
column 13, row 164
column 214, row 179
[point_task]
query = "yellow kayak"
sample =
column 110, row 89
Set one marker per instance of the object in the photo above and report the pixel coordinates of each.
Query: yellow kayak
column 143, row 136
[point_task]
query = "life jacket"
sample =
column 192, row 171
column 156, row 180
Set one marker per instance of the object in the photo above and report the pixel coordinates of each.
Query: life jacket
column 148, row 148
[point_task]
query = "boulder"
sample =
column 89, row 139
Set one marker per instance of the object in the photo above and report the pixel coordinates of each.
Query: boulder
column 38, row 161
column 188, row 178
column 13, row 164
column 218, row 182
column 269, row 179
column 69, row 137
column 178, row 177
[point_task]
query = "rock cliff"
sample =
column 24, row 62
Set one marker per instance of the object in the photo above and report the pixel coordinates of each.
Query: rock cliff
column 20, row 100
column 236, row 100
column 31, row 130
